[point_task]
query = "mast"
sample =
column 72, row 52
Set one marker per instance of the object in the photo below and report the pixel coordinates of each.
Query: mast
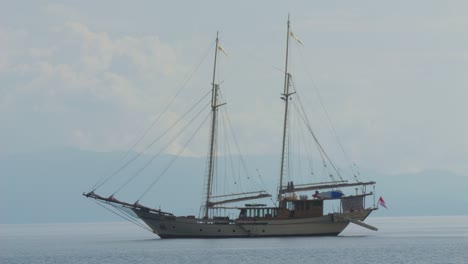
column 285, row 97
column 214, row 106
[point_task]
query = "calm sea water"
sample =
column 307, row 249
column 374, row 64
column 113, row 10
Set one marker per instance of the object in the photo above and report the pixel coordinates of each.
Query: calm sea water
column 399, row 240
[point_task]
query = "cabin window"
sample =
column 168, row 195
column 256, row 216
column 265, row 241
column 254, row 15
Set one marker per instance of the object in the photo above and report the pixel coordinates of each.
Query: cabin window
column 259, row 212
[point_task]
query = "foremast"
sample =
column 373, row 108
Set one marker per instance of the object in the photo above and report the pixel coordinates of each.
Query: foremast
column 214, row 107
column 285, row 97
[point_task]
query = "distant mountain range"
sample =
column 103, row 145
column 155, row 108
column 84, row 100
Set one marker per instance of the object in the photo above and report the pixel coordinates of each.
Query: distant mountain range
column 47, row 187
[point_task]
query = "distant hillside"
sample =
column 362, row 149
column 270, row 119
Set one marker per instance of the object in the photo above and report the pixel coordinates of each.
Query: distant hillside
column 47, row 187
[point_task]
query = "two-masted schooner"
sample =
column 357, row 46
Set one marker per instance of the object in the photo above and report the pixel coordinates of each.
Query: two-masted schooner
column 291, row 215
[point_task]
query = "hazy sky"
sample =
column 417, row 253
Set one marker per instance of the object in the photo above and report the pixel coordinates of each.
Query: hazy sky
column 393, row 75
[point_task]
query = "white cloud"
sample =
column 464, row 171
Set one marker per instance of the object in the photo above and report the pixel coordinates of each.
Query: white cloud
column 43, row 80
column 61, row 10
column 47, row 52
column 4, row 48
column 393, row 79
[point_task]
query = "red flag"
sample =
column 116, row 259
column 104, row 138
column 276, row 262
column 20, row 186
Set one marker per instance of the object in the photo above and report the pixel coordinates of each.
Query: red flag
column 382, row 202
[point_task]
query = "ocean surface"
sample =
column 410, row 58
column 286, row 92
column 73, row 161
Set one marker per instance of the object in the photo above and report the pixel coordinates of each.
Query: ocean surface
column 399, row 240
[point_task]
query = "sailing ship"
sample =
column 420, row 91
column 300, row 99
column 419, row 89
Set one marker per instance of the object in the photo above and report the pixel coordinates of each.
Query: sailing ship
column 291, row 215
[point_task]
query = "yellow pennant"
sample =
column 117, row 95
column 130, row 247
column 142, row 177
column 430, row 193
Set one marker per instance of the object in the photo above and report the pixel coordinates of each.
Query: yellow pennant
column 296, row 38
column 221, row 49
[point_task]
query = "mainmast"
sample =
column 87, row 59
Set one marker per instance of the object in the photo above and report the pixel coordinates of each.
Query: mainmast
column 285, row 97
column 214, row 106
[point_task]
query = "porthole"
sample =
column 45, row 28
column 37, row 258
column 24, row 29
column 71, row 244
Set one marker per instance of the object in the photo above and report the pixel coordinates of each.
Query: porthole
column 219, row 230
column 201, row 229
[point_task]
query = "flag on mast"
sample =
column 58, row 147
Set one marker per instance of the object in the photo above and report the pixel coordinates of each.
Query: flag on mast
column 222, row 50
column 382, row 202
column 296, row 38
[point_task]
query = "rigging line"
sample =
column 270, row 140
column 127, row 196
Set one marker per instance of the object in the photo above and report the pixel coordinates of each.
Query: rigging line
column 152, row 143
column 124, row 217
column 215, row 160
column 309, row 127
column 296, row 108
column 125, row 212
column 307, row 151
column 184, row 84
column 236, row 143
column 228, row 155
column 207, row 161
column 306, row 121
column 206, row 174
column 322, row 150
column 131, row 217
column 159, row 152
column 261, row 180
column 318, row 147
column 288, row 146
column 299, row 136
column 236, row 166
column 205, row 180
column 229, row 131
column 225, row 116
column 174, row 159
column 230, row 161
column 314, row 85
column 292, row 144
column 227, row 151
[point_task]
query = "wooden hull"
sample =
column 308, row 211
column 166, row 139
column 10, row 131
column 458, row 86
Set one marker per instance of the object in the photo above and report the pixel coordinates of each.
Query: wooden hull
column 183, row 227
